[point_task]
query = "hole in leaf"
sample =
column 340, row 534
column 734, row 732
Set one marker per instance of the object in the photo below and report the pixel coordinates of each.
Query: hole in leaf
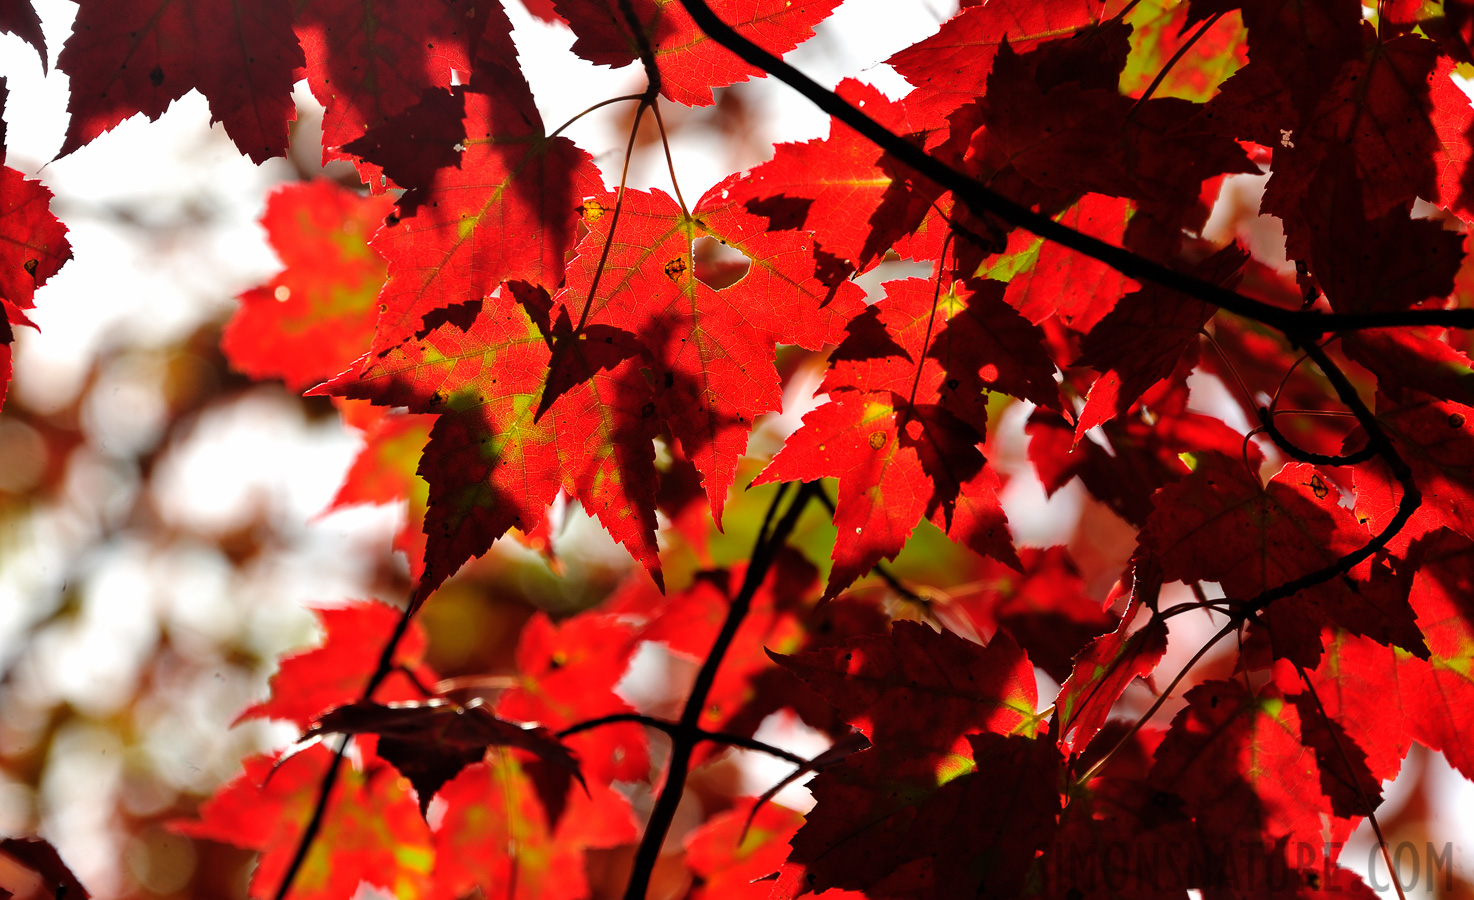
column 719, row 265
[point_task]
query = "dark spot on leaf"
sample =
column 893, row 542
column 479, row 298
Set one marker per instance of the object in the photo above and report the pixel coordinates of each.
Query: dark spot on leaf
column 156, row 77
column 952, row 383
column 647, row 410
column 590, row 210
column 1455, row 420
column 1318, row 486
column 31, row 265
column 391, row 220
column 877, row 440
column 675, row 268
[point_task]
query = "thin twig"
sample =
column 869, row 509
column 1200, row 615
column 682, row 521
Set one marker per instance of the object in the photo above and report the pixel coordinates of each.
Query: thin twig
column 688, row 733
column 330, row 777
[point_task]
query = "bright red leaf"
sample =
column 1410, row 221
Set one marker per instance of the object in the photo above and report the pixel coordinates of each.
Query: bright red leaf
column 691, row 64
column 317, row 316
column 310, row 682
column 712, row 349
column 371, row 833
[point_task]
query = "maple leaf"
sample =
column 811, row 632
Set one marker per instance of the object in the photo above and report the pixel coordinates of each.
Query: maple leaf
column 837, row 187
column 311, row 682
column 1412, row 360
column 712, row 349
column 317, row 316
column 887, row 818
column 371, row 833
column 33, row 246
column 1220, row 524
column 951, row 67
column 1101, row 673
column 735, row 850
column 691, row 63
column 1237, row 762
column 905, row 416
column 495, row 834
column 356, row 53
column 567, row 674
column 1141, row 341
column 491, row 199
column 430, row 743
column 971, row 828
column 491, row 463
column 139, row 56
column 1046, row 279
column 19, row 18
column 1436, row 439
column 1158, row 32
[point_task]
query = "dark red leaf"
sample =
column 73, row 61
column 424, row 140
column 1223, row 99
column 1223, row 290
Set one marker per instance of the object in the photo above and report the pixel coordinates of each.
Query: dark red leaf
column 138, row 56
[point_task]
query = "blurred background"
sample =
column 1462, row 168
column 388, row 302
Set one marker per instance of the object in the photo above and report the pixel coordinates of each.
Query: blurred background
column 164, row 523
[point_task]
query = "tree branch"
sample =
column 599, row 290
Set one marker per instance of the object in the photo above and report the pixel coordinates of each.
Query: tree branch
column 982, row 199
column 688, row 733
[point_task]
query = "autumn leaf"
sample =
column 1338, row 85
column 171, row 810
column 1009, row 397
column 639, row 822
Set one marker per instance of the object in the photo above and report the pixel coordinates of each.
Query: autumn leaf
column 691, row 63
column 138, row 56
column 495, row 834
column 712, row 349
column 568, row 673
column 355, row 56
column 431, row 742
column 491, row 463
column 1219, row 524
column 497, row 201
column 310, row 682
column 19, row 18
column 317, row 316
column 372, row 832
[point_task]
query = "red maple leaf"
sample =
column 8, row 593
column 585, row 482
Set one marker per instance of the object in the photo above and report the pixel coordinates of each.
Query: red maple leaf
column 491, row 199
column 33, row 246
column 491, row 463
column 356, row 53
column 372, row 832
column 317, row 316
column 19, row 18
column 1046, row 279
column 712, row 349
column 1237, row 761
column 1142, row 340
column 836, row 187
column 944, row 718
column 1220, row 524
column 139, row 56
column 568, row 673
column 905, row 417
column 495, row 834
column 1102, row 672
column 1436, row 439
column 310, row 682
column 951, row 67
column 691, row 64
